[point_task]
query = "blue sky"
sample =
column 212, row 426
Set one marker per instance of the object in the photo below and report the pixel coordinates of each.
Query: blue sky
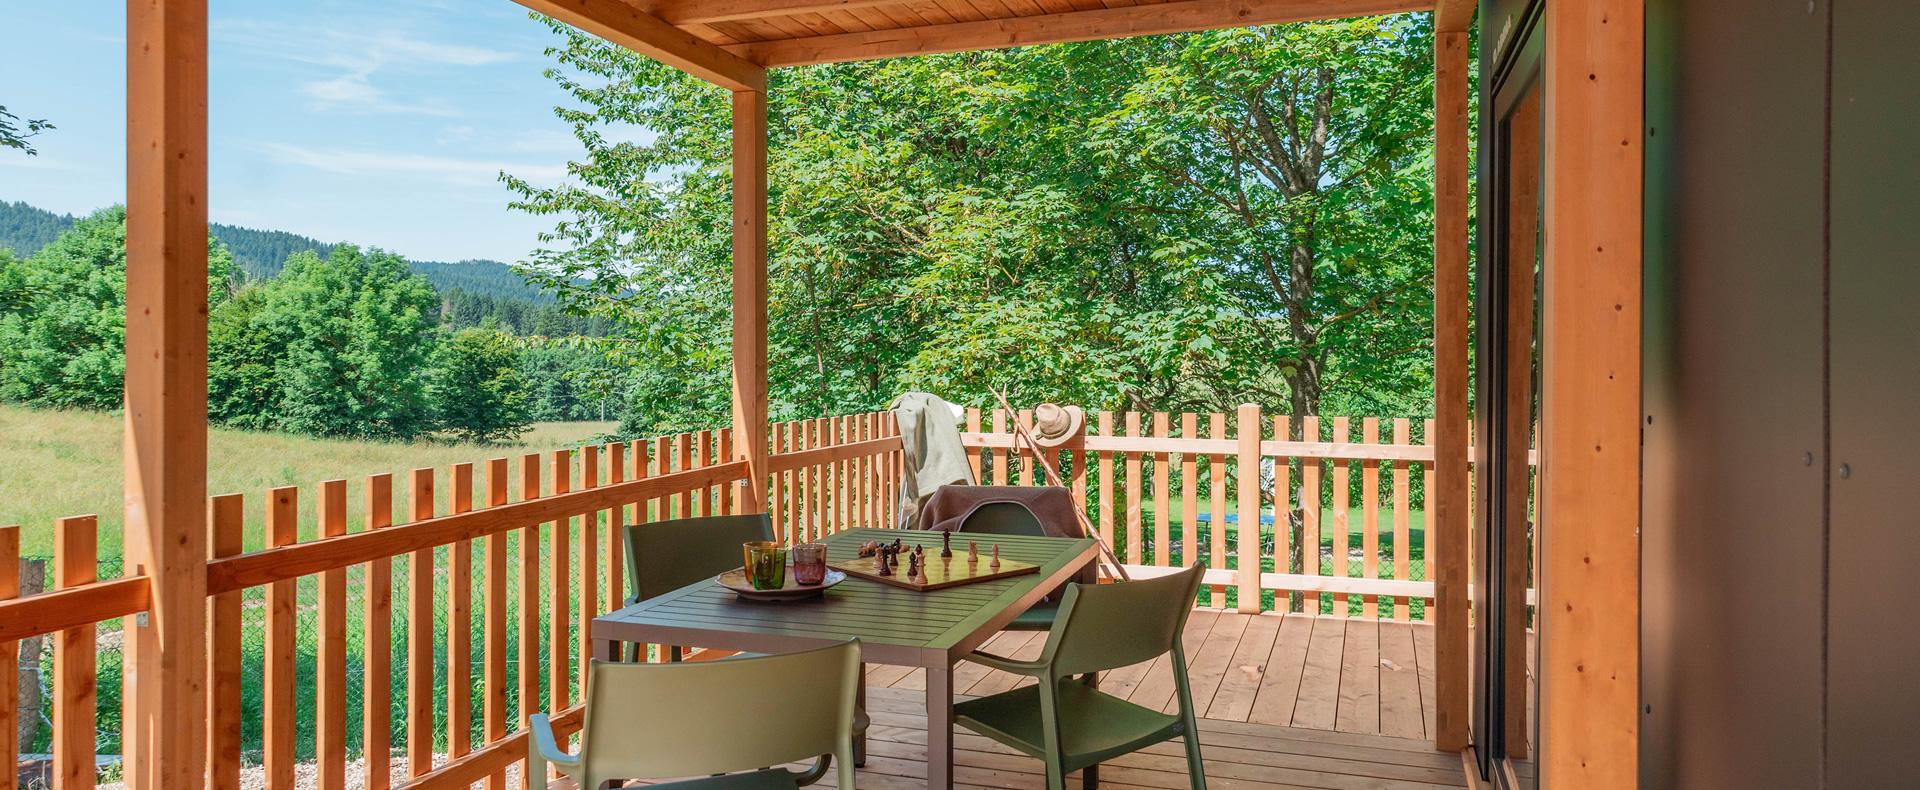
column 378, row 122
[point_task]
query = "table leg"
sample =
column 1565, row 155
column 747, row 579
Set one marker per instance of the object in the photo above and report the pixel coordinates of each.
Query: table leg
column 606, row 650
column 940, row 727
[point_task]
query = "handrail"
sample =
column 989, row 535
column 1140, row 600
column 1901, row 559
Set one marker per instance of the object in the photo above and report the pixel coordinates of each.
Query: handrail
column 302, row 559
column 783, row 462
column 82, row 605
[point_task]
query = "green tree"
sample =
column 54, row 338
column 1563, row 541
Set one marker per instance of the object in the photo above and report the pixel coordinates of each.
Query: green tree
column 63, row 315
column 13, row 135
column 243, row 353
column 476, row 388
column 1174, row 222
column 358, row 329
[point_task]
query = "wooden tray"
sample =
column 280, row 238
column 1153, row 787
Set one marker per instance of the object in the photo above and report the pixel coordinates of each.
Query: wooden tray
column 939, row 574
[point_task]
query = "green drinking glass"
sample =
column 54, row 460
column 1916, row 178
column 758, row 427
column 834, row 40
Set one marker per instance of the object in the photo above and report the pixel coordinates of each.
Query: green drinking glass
column 766, row 564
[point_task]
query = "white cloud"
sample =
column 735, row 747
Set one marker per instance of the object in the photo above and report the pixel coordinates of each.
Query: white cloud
column 355, row 55
column 449, row 170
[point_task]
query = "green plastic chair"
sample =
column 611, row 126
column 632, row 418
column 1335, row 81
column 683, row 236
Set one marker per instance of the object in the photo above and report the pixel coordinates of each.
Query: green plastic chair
column 664, row 556
column 728, row 716
column 1067, row 722
column 1012, row 518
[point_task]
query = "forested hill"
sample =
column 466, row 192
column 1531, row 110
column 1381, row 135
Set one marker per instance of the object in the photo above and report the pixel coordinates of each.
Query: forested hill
column 261, row 253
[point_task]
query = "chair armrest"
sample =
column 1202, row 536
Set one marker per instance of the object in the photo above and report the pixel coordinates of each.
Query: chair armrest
column 544, row 748
column 815, row 773
column 1032, row 669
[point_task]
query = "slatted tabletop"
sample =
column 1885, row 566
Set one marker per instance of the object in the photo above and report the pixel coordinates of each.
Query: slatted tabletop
column 895, row 626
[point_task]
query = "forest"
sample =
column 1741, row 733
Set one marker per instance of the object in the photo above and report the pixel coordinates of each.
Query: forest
column 336, row 342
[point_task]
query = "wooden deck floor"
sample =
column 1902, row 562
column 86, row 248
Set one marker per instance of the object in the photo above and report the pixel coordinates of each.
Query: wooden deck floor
column 1317, row 673
column 1288, row 702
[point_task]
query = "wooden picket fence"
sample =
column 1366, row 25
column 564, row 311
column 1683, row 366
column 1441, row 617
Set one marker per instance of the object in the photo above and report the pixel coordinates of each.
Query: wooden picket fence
column 1169, row 490
column 517, row 556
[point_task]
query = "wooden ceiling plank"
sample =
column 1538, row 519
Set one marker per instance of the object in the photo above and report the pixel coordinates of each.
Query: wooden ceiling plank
column 682, row 12
column 961, row 10
column 1176, row 17
column 845, row 19
column 933, row 12
column 648, row 35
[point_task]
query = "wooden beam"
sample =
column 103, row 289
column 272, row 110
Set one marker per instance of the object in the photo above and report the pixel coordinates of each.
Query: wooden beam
column 750, row 292
column 648, row 35
column 1590, row 398
column 701, row 12
column 1453, row 16
column 1452, row 686
column 1175, row 17
column 165, row 526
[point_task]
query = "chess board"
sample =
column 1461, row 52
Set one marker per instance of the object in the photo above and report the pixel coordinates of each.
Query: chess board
column 939, row 573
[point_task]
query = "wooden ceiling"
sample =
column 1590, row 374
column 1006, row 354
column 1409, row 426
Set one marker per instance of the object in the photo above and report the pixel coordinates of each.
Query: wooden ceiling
column 732, row 41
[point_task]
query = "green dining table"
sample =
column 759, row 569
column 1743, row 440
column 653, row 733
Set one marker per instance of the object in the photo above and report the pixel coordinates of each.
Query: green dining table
column 931, row 630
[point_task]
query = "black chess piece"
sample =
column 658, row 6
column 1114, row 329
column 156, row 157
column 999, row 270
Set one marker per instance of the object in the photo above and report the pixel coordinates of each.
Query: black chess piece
column 946, row 545
column 913, row 566
column 886, row 564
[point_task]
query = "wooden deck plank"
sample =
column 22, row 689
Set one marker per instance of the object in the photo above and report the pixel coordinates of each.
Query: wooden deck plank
column 1318, row 703
column 1360, row 678
column 1210, row 664
column 1156, row 689
column 1240, row 685
column 1423, row 655
column 1399, row 683
column 1280, row 683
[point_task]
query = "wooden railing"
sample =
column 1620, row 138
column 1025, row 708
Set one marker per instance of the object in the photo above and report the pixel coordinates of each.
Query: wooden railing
column 1168, row 490
column 504, row 562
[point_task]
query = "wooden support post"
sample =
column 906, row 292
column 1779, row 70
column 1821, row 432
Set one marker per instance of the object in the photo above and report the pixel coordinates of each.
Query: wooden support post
column 75, row 671
column 1449, row 497
column 1247, row 547
column 165, row 525
column 750, row 292
column 228, row 519
column 1590, row 395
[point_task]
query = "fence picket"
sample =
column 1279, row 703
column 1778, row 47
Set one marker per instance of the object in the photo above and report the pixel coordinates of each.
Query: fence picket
column 1402, row 514
column 1282, row 516
column 420, row 575
column 226, row 522
column 460, row 622
column 589, row 570
column 10, row 661
column 330, row 681
column 1133, row 493
column 1342, row 526
column 1426, row 531
column 1162, row 508
column 1370, row 516
column 1247, row 551
column 75, row 682
column 1217, row 507
column 1189, row 493
column 559, row 575
column 493, row 713
column 377, row 716
column 1310, row 513
column 529, row 636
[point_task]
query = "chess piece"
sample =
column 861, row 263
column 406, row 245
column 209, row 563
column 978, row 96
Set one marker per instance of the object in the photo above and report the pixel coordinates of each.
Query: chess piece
column 913, row 566
column 973, row 552
column 946, row 545
column 995, row 565
column 886, row 567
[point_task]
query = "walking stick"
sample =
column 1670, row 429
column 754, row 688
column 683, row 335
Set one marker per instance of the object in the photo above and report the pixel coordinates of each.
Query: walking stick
column 1053, row 477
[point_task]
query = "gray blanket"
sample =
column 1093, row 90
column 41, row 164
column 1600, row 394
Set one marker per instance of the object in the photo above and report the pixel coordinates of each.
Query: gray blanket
column 930, row 443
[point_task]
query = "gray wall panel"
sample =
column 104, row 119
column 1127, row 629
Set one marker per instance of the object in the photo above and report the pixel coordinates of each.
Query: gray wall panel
column 1874, row 642
column 1732, row 540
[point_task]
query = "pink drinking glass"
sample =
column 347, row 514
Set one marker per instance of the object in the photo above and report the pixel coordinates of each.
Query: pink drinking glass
column 809, row 563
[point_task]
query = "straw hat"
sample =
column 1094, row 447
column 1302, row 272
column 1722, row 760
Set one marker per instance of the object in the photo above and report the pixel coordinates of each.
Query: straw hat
column 1055, row 425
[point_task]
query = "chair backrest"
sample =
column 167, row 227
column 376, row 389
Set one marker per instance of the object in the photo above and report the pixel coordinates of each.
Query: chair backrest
column 1002, row 518
column 655, row 721
column 667, row 555
column 1104, row 626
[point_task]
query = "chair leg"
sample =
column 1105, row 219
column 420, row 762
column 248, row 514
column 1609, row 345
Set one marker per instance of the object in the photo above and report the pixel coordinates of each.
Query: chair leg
column 1196, row 769
column 861, row 721
column 1090, row 777
column 1056, row 778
